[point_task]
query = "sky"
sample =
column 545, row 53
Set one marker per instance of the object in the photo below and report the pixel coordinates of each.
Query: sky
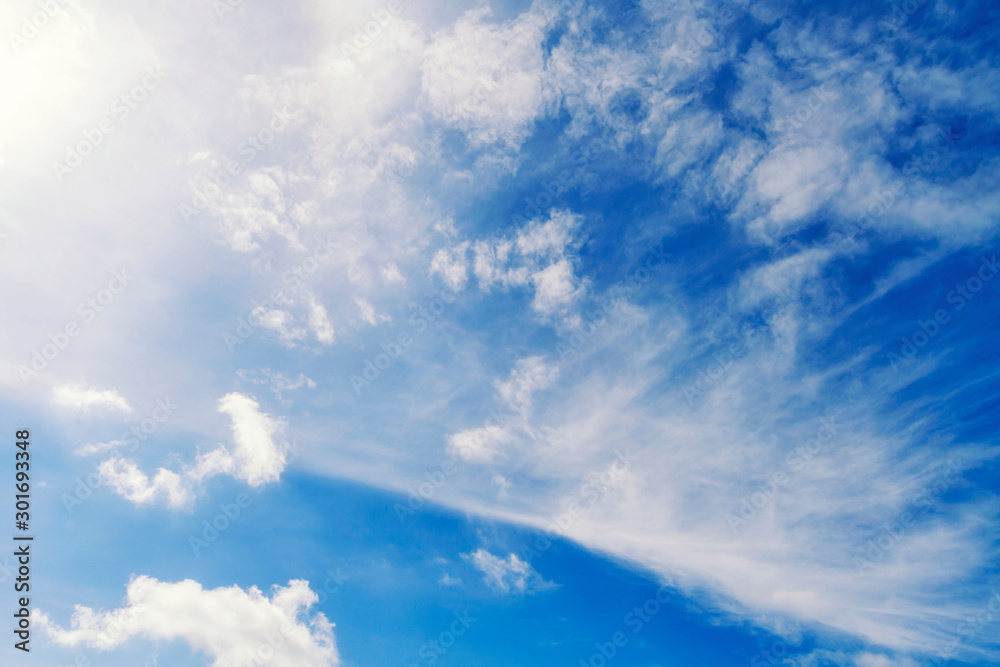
column 503, row 334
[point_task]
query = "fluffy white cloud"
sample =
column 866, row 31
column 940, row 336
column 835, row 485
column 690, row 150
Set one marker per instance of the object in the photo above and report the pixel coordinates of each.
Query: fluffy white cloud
column 132, row 484
column 257, row 458
column 231, row 626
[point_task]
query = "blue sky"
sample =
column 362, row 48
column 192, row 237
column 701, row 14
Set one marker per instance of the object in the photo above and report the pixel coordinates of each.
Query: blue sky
column 534, row 313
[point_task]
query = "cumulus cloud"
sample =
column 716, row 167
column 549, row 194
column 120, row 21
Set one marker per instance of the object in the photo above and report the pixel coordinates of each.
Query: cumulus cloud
column 228, row 625
column 257, row 457
column 80, row 397
column 135, row 486
column 507, row 575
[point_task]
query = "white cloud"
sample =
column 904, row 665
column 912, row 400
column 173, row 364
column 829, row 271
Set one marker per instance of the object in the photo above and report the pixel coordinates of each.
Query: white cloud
column 486, row 443
column 451, row 264
column 506, row 575
column 98, row 447
column 80, row 397
column 556, row 287
column 257, row 458
column 132, row 484
column 228, row 625
column 448, row 580
column 319, row 321
column 503, row 486
column 391, row 274
column 259, row 205
column 541, row 255
column 280, row 321
column 279, row 382
column 529, row 376
column 489, row 79
column 368, row 314
column 479, row 445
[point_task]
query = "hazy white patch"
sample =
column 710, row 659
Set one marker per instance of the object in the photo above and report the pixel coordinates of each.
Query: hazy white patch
column 80, row 397
column 448, row 580
column 281, row 322
column 319, row 321
column 368, row 314
column 391, row 274
column 507, row 575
